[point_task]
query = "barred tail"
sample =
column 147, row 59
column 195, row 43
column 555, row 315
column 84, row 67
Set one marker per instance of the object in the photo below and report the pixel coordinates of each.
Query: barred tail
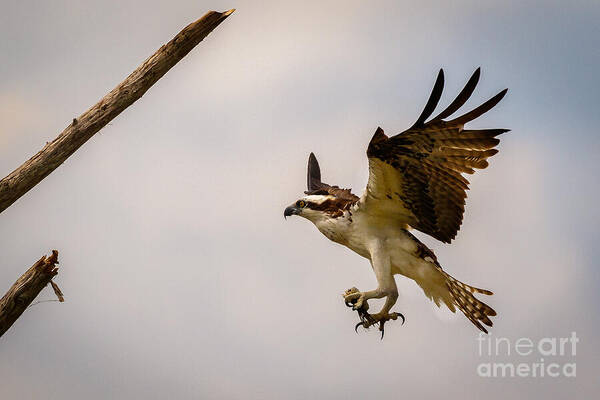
column 462, row 295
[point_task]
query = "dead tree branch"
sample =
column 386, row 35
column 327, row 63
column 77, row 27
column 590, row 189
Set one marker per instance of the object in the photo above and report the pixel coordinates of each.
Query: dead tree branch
column 18, row 182
column 26, row 288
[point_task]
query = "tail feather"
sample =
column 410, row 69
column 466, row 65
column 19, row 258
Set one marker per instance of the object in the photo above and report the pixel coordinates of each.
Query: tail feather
column 475, row 310
column 441, row 288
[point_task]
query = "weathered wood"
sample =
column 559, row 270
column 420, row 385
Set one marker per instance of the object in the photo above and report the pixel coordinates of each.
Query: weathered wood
column 21, row 180
column 26, row 288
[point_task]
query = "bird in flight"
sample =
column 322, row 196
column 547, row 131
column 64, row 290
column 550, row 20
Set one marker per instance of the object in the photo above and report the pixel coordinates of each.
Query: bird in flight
column 415, row 182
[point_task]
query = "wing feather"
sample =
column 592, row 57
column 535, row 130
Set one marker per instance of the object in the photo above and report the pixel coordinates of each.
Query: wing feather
column 434, row 99
column 482, row 109
column 462, row 97
column 416, row 176
column 313, row 176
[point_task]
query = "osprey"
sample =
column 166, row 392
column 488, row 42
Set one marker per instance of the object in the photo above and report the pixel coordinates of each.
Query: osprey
column 415, row 181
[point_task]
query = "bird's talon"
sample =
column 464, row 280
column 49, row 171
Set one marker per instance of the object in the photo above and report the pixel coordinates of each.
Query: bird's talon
column 381, row 329
column 357, row 325
column 367, row 320
column 356, row 299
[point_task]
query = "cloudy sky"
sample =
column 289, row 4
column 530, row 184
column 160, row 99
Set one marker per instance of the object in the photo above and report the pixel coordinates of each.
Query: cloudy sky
column 182, row 279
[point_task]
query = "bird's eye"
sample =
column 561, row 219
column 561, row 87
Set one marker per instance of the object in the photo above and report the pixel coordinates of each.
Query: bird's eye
column 300, row 203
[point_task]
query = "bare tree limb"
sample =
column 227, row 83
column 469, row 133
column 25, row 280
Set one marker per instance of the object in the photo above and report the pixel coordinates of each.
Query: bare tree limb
column 26, row 288
column 21, row 180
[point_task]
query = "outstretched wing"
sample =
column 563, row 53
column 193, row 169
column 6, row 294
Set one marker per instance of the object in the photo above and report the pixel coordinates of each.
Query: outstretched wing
column 315, row 186
column 416, row 176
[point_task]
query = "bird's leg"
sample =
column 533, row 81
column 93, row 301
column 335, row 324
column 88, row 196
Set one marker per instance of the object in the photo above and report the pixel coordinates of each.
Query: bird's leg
column 384, row 314
column 387, row 288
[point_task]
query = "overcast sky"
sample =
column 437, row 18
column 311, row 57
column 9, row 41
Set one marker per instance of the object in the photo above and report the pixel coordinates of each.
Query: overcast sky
column 181, row 277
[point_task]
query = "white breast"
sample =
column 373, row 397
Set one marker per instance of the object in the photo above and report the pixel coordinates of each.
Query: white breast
column 358, row 232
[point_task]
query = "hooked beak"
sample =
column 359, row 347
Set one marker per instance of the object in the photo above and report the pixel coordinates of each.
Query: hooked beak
column 291, row 210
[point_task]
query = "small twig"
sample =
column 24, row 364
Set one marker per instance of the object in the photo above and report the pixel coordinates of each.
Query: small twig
column 57, row 291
